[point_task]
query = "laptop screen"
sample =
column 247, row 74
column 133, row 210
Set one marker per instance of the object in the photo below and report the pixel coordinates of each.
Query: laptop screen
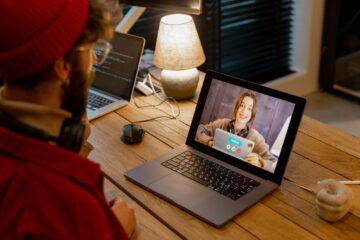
column 245, row 121
column 118, row 73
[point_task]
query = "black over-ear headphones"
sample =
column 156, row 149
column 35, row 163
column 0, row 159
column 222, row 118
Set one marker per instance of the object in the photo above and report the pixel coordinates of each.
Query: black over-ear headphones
column 243, row 133
column 71, row 135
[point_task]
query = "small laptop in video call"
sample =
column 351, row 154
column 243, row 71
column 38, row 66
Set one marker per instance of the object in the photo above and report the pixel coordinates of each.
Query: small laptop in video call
column 115, row 79
column 235, row 154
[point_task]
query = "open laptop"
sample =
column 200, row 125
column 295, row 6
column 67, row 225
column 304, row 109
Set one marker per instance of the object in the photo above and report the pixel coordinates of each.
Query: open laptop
column 115, row 79
column 232, row 144
column 213, row 185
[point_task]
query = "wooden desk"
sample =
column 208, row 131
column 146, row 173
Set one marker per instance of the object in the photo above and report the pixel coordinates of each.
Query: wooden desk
column 320, row 152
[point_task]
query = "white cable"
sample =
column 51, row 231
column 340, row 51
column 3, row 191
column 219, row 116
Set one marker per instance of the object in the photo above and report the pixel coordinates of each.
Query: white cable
column 159, row 97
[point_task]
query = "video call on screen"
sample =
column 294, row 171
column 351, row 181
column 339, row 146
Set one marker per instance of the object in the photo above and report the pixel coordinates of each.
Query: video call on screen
column 245, row 124
column 116, row 74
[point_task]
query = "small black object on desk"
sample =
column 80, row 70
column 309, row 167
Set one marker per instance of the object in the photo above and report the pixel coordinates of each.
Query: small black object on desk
column 132, row 133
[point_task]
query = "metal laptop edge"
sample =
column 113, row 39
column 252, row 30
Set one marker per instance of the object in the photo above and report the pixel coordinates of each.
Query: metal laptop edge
column 204, row 203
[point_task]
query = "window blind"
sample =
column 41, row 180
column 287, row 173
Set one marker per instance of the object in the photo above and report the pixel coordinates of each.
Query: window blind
column 256, row 38
column 250, row 39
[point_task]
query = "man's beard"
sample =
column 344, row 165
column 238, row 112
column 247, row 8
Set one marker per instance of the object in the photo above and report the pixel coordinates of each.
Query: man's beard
column 76, row 93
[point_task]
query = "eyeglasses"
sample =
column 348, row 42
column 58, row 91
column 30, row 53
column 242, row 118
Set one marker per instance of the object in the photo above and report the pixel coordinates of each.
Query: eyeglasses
column 101, row 49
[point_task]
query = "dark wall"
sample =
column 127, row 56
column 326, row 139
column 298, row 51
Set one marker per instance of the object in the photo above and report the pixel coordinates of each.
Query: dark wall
column 247, row 39
column 270, row 116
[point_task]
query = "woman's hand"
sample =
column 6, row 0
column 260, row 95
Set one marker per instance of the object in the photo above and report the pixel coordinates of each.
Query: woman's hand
column 210, row 143
column 254, row 159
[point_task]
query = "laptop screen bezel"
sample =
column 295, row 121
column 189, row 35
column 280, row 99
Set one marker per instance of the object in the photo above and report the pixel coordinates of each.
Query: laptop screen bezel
column 289, row 138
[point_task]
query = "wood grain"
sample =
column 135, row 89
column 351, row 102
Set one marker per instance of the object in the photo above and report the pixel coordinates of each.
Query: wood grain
column 187, row 107
column 319, row 152
column 307, row 173
column 115, row 158
column 327, row 156
column 147, row 226
column 330, row 135
column 267, row 224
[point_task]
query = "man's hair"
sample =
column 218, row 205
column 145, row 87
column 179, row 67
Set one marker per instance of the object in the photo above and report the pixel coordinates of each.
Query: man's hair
column 103, row 14
column 238, row 104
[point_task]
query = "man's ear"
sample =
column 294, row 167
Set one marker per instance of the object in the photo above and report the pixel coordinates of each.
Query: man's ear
column 62, row 70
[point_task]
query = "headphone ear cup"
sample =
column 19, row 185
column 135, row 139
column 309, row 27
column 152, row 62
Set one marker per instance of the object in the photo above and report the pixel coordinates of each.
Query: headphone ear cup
column 72, row 134
column 244, row 133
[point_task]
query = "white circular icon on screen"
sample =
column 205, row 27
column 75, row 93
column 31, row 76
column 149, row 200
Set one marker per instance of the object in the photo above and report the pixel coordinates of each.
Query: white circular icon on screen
column 228, row 147
column 233, row 149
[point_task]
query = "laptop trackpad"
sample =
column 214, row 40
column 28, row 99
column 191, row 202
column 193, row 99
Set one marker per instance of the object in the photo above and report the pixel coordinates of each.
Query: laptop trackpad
column 181, row 190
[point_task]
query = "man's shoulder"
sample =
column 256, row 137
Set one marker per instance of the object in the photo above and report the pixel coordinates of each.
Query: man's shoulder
column 20, row 179
column 12, row 173
column 36, row 194
column 46, row 160
column 42, row 202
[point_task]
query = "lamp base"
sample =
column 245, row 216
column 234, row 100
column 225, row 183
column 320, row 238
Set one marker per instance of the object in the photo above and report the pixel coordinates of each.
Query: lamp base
column 180, row 84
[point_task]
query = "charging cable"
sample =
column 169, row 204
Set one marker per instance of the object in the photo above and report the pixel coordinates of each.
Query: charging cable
column 174, row 114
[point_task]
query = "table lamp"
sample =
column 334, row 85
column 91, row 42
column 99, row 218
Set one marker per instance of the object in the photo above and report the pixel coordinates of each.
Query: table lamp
column 178, row 52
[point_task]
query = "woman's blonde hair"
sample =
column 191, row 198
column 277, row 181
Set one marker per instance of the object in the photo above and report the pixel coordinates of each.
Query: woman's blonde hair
column 238, row 104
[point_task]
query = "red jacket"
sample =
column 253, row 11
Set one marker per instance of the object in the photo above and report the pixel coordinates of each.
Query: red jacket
column 50, row 193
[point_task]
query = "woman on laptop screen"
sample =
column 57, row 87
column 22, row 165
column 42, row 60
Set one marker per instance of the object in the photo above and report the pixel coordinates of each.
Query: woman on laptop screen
column 240, row 125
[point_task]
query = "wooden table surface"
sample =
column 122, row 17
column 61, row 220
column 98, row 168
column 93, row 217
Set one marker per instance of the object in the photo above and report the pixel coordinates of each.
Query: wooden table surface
column 319, row 152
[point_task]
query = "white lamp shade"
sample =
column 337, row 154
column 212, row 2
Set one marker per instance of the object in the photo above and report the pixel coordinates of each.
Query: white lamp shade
column 178, row 46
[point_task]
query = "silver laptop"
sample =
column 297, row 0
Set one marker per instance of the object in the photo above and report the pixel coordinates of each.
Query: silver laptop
column 211, row 183
column 232, row 144
column 115, row 79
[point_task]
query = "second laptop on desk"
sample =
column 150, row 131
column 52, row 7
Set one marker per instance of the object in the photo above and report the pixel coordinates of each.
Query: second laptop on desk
column 216, row 184
column 115, row 79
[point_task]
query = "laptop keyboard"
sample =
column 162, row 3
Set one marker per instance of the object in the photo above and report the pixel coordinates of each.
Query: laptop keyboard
column 95, row 101
column 211, row 175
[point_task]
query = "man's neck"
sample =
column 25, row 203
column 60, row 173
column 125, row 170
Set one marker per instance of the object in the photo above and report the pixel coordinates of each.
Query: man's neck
column 42, row 116
column 47, row 94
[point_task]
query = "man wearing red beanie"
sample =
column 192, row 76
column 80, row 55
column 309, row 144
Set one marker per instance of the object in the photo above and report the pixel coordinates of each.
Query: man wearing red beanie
column 47, row 190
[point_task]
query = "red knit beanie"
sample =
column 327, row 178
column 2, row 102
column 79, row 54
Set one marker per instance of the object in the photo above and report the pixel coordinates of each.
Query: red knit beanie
column 35, row 33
